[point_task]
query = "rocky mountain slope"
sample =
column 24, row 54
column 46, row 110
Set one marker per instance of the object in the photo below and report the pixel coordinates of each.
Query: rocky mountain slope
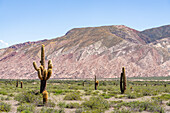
column 100, row 51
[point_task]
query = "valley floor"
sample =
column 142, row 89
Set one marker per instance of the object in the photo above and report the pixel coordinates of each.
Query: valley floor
column 79, row 96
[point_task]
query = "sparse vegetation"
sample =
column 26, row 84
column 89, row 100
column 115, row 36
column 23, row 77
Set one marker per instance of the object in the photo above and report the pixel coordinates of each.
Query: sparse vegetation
column 4, row 107
column 72, row 96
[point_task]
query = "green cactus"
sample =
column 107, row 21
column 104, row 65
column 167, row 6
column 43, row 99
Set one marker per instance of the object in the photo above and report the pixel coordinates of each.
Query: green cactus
column 123, row 81
column 95, row 83
column 43, row 74
column 21, row 84
column 17, row 83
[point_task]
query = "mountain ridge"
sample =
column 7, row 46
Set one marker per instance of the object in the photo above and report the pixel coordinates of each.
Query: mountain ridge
column 83, row 52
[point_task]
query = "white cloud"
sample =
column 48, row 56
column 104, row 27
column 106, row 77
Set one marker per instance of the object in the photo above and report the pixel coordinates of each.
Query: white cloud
column 3, row 44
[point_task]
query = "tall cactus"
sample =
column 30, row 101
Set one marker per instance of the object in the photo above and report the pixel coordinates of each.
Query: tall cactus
column 123, row 81
column 43, row 74
column 21, row 84
column 95, row 83
column 17, row 83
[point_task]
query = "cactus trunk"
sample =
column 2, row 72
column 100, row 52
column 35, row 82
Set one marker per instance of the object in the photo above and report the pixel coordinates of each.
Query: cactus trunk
column 17, row 83
column 21, row 84
column 123, row 81
column 43, row 85
column 95, row 86
column 121, row 88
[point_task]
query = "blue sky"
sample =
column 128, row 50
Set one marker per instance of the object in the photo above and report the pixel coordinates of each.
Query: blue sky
column 32, row 20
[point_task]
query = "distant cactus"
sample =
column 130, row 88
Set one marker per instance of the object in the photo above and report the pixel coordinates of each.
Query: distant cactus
column 164, row 85
column 123, row 81
column 83, row 83
column 43, row 74
column 96, row 83
column 17, row 83
column 45, row 97
column 21, row 84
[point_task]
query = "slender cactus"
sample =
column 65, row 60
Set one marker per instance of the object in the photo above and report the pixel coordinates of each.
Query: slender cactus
column 21, row 84
column 17, row 83
column 43, row 74
column 95, row 83
column 123, row 81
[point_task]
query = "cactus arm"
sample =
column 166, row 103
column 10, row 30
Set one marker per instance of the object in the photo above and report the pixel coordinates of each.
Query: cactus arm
column 49, row 73
column 50, row 65
column 42, row 56
column 39, row 74
column 35, row 66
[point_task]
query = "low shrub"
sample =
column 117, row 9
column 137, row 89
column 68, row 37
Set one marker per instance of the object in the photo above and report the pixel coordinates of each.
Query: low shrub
column 137, row 106
column 62, row 104
column 122, row 111
column 72, row 105
column 4, row 107
column 50, row 103
column 96, row 103
column 162, row 97
column 58, row 92
column 26, row 108
column 131, row 96
column 29, row 97
column 168, row 103
column 106, row 96
column 72, row 96
column 50, row 110
column 3, row 93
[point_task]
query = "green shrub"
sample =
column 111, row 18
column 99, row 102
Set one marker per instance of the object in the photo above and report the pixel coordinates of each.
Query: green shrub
column 2, row 98
column 106, row 96
column 4, row 107
column 58, row 92
column 50, row 110
column 3, row 93
column 72, row 96
column 168, row 103
column 28, row 97
column 88, row 92
column 83, row 110
column 98, row 103
column 122, row 111
column 73, row 105
column 120, row 96
column 137, row 106
column 62, row 104
column 50, row 103
column 163, row 97
column 131, row 96
column 114, row 103
column 26, row 108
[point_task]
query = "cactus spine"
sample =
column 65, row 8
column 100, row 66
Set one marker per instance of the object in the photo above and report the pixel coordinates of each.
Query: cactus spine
column 95, row 83
column 43, row 74
column 45, row 97
column 123, row 81
column 21, row 84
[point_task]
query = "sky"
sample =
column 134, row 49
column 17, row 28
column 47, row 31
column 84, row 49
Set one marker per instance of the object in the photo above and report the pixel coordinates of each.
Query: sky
column 33, row 20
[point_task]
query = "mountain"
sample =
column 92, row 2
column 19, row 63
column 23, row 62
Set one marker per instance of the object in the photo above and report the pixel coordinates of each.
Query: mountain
column 100, row 51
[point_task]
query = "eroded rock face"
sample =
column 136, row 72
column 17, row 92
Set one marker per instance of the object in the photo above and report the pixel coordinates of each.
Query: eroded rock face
column 83, row 52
